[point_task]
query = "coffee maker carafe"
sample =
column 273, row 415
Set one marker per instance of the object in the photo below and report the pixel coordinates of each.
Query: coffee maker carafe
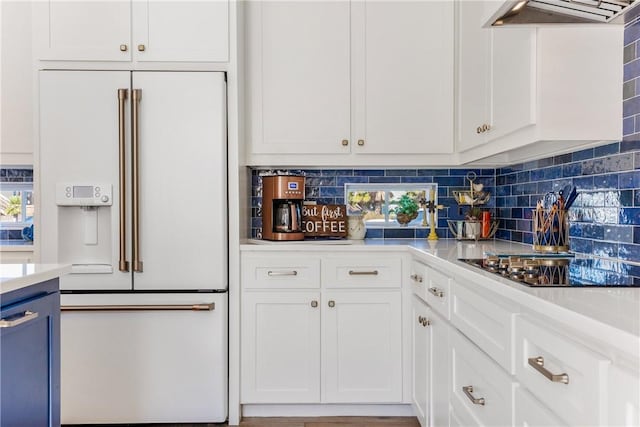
column 282, row 197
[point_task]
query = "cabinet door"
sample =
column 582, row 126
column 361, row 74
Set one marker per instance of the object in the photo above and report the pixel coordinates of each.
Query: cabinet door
column 280, row 347
column 421, row 348
column 30, row 363
column 473, row 75
column 402, row 77
column 83, row 30
column 182, row 127
column 513, row 80
column 186, row 31
column 362, row 347
column 298, row 64
column 440, row 371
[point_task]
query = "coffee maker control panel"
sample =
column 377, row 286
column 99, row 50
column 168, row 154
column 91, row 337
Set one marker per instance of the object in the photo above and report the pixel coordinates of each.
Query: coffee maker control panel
column 74, row 194
column 293, row 190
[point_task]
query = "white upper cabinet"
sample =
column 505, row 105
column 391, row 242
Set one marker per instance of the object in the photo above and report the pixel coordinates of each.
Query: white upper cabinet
column 125, row 30
column 402, row 77
column 83, row 30
column 298, row 68
column 524, row 92
column 496, row 78
column 340, row 77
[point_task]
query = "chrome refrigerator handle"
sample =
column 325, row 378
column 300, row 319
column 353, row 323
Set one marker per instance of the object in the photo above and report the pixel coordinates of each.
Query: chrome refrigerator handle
column 123, row 264
column 135, row 187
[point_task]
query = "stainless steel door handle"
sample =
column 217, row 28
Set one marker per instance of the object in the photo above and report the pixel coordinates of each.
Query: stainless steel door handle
column 123, row 263
column 363, row 273
column 416, row 278
column 141, row 307
column 137, row 263
column 468, row 390
column 538, row 364
column 437, row 292
column 282, row 273
column 13, row 321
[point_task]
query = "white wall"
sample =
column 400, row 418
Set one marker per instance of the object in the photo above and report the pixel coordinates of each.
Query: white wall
column 16, row 83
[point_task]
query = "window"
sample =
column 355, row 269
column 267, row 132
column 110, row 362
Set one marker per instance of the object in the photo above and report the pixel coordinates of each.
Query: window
column 16, row 205
column 379, row 203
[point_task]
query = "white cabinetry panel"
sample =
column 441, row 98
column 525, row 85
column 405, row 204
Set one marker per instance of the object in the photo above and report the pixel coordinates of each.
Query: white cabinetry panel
column 362, row 347
column 580, row 399
column 298, row 76
column 83, row 30
column 402, row 79
column 195, row 31
column 280, row 347
column 421, row 360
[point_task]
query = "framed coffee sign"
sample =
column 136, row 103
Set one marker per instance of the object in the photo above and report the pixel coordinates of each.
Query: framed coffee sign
column 324, row 220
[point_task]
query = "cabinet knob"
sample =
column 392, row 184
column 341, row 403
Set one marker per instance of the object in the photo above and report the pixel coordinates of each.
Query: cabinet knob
column 361, row 142
column 123, row 47
column 420, row 319
column 479, row 129
column 314, row 304
column 425, row 322
column 141, row 48
column 332, row 303
column 345, row 142
column 485, row 127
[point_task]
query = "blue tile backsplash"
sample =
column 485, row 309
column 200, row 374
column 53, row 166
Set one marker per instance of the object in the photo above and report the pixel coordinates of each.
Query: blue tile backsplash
column 327, row 186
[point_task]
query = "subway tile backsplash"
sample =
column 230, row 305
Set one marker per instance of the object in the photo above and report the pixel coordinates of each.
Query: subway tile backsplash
column 327, row 186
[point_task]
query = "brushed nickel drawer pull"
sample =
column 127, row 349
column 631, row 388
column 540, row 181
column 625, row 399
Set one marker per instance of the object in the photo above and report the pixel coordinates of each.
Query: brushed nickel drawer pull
column 11, row 322
column 416, row 278
column 437, row 292
column 141, row 307
column 314, row 303
column 332, row 303
column 538, row 364
column 425, row 322
column 420, row 319
column 363, row 273
column 282, row 273
column 468, row 390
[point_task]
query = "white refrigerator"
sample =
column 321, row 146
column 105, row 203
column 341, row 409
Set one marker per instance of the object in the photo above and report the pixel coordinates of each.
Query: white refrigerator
column 133, row 194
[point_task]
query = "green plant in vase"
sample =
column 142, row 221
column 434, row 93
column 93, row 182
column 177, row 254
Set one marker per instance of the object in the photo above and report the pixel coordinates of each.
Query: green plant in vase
column 406, row 210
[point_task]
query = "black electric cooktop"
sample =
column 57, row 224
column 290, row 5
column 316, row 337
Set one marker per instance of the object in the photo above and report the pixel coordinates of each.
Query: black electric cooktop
column 560, row 271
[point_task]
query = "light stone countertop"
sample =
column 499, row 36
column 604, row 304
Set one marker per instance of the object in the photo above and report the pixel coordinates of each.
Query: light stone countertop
column 17, row 276
column 610, row 313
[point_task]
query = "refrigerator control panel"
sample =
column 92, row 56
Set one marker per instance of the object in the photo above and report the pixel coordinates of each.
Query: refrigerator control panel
column 75, row 194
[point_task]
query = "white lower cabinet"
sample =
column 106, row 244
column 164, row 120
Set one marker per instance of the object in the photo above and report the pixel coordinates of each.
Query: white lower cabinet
column 568, row 378
column 421, row 360
column 334, row 344
column 440, row 387
column 281, row 347
column 529, row 412
column 479, row 386
column 361, row 347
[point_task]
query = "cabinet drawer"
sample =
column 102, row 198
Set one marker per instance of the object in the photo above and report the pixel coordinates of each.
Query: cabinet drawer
column 283, row 271
column 438, row 291
column 529, row 412
column 418, row 279
column 576, row 392
column 376, row 271
column 488, row 324
column 480, row 388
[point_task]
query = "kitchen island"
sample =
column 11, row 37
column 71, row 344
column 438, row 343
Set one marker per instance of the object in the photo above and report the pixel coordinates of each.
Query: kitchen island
column 30, row 344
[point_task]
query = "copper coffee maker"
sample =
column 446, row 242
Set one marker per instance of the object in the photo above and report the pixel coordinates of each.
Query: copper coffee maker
column 282, row 197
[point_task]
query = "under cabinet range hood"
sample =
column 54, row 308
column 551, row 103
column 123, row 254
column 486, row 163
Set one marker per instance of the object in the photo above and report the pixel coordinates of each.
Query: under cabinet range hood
column 564, row 12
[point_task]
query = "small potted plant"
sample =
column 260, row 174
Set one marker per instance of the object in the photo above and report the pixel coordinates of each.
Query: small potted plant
column 406, row 210
column 472, row 224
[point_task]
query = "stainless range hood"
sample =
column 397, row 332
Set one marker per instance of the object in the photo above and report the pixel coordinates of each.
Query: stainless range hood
column 565, row 12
